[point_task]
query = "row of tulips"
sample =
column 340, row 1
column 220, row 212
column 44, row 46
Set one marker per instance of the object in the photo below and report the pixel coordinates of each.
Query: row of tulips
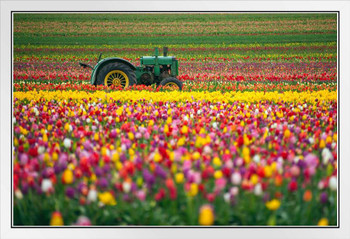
column 312, row 97
column 220, row 57
column 201, row 69
column 78, row 76
column 222, row 86
column 146, row 25
column 182, row 48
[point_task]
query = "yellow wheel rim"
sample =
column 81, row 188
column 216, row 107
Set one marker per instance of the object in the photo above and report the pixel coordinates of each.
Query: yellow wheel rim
column 171, row 84
column 117, row 78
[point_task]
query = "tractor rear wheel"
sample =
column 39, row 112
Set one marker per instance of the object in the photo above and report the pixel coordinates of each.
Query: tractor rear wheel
column 117, row 74
column 173, row 82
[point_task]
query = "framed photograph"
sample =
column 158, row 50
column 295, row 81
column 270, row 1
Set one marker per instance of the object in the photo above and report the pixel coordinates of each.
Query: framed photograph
column 141, row 119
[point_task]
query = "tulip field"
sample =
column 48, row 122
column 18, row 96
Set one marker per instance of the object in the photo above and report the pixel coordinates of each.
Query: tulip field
column 251, row 140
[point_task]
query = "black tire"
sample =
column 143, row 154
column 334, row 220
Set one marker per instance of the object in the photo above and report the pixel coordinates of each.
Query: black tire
column 116, row 66
column 172, row 80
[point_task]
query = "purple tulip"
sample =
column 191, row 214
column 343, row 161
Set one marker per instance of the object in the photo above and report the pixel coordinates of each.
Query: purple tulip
column 103, row 183
column 70, row 192
column 127, row 198
column 301, row 164
column 148, row 177
column 98, row 171
column 133, row 187
column 81, row 185
column 106, row 168
column 160, row 172
column 323, row 198
column 25, row 188
column 122, row 158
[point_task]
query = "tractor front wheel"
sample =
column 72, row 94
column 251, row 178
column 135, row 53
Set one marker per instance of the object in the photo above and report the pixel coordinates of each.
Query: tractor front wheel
column 172, row 82
column 117, row 74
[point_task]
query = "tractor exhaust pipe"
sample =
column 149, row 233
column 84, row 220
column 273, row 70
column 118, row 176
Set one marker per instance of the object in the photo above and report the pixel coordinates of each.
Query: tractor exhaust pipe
column 99, row 57
column 165, row 51
column 84, row 65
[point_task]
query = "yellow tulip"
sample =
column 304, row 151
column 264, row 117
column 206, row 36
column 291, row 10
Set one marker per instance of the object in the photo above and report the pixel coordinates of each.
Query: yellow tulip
column 273, row 205
column 56, row 219
column 67, row 176
column 107, row 198
column 323, row 222
column 206, row 215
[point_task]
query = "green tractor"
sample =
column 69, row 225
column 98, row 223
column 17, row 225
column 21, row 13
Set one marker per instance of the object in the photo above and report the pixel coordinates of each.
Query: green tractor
column 160, row 70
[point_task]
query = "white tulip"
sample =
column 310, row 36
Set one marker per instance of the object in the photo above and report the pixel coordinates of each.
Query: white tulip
column 258, row 189
column 46, row 185
column 256, row 158
column 36, row 111
column 18, row 194
column 334, row 145
column 227, row 197
column 41, row 150
column 333, row 183
column 326, row 155
column 236, row 178
column 92, row 195
column 126, row 187
column 67, row 143
column 207, row 149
